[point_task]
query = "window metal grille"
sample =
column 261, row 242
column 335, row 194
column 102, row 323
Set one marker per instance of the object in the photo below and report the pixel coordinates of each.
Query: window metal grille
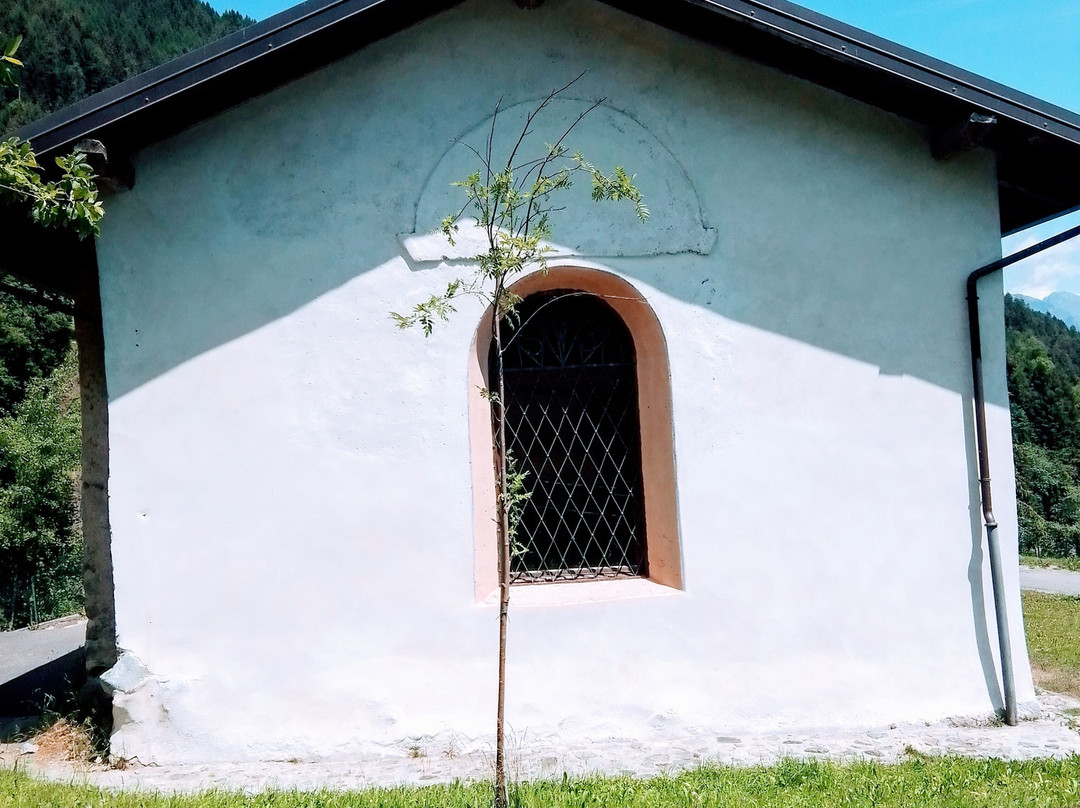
column 572, row 425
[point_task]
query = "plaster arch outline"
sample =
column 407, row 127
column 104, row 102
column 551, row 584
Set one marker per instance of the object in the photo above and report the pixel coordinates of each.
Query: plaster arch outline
column 606, row 136
column 662, row 535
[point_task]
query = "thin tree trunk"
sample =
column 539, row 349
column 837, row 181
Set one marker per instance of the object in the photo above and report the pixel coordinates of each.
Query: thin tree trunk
column 503, row 533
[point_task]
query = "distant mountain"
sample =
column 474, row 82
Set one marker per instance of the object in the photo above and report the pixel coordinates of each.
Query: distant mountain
column 1063, row 305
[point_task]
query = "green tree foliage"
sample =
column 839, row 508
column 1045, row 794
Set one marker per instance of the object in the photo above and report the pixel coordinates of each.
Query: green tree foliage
column 1043, row 360
column 33, row 342
column 71, row 201
column 40, row 546
column 74, row 48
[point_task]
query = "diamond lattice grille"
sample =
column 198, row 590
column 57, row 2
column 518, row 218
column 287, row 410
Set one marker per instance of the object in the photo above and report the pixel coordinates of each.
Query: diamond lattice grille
column 572, row 425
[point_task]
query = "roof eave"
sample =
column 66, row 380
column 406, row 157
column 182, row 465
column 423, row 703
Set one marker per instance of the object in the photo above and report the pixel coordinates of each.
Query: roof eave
column 1032, row 140
column 220, row 75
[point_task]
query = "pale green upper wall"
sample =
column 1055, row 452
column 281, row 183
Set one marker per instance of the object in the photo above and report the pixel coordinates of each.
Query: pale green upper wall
column 817, row 200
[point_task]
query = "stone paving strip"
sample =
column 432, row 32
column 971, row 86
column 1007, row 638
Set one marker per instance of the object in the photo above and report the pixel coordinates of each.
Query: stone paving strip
column 437, row 759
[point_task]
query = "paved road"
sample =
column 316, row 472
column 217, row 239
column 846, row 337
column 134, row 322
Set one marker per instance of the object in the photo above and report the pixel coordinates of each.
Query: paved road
column 1057, row 582
column 25, row 650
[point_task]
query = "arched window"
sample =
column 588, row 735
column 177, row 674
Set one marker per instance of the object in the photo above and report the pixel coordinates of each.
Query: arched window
column 572, row 427
column 590, row 419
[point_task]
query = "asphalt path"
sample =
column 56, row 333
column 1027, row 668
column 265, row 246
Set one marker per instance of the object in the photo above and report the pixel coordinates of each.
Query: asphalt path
column 1056, row 582
column 27, row 649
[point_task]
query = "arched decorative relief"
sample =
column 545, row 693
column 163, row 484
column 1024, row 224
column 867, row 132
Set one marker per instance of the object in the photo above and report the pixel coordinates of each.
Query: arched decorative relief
column 585, row 228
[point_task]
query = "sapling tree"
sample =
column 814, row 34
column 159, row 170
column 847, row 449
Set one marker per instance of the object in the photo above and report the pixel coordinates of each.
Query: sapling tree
column 511, row 198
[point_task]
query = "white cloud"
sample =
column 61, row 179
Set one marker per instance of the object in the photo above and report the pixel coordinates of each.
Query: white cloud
column 1055, row 270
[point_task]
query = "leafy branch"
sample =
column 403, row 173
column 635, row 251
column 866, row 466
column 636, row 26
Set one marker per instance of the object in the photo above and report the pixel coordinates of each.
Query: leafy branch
column 71, row 202
column 513, row 500
column 8, row 62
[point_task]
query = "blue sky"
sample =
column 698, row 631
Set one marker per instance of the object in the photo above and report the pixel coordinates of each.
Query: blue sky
column 1030, row 45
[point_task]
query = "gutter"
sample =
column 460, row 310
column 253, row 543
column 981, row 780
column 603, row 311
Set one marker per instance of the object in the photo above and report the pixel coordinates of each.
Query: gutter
column 1008, row 679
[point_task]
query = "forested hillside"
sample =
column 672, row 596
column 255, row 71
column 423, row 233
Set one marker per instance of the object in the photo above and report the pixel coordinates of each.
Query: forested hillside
column 1044, row 394
column 70, row 49
column 73, row 48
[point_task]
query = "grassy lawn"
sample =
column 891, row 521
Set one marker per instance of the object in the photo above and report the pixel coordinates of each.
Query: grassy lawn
column 921, row 782
column 1053, row 634
column 1062, row 563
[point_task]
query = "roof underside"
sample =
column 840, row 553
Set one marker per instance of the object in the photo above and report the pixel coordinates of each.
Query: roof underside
column 1037, row 144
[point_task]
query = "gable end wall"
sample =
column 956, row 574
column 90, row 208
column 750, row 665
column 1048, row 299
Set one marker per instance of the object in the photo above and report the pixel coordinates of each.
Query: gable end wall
column 291, row 495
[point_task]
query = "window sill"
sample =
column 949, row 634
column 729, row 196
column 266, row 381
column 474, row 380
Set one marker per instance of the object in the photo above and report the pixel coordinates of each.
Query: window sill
column 578, row 593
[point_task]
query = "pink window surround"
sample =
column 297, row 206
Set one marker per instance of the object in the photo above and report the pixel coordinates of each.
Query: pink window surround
column 657, row 440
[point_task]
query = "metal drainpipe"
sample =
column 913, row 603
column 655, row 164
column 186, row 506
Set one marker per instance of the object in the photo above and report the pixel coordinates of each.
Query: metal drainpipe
column 1008, row 681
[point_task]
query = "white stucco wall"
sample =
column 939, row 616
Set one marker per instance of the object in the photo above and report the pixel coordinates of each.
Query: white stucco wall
column 290, row 489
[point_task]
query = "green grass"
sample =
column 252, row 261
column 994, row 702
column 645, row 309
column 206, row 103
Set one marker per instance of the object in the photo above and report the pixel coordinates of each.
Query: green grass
column 1052, row 623
column 1072, row 563
column 922, row 782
